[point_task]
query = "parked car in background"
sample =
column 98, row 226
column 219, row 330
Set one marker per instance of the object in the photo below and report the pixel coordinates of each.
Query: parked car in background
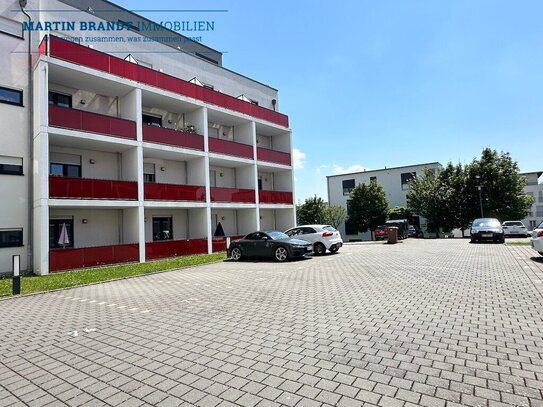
column 486, row 229
column 414, row 231
column 514, row 228
column 270, row 244
column 322, row 237
column 402, row 225
column 537, row 239
column 381, row 232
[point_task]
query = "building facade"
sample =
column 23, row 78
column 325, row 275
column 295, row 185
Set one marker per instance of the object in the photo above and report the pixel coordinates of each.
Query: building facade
column 534, row 188
column 126, row 153
column 395, row 182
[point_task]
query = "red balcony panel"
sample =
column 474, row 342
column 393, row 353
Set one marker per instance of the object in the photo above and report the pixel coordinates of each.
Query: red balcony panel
column 69, row 259
column 230, row 148
column 79, row 54
column 91, row 122
column 275, row 197
column 232, row 195
column 175, row 248
column 82, row 188
column 42, row 49
column 173, row 192
column 155, row 134
column 274, row 156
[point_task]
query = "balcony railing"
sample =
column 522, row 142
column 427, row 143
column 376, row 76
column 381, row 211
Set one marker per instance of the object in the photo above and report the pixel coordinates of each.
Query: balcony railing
column 91, row 122
column 174, row 192
column 83, row 188
column 265, row 154
column 78, row 54
column 69, row 259
column 174, row 248
column 275, row 197
column 230, row 148
column 155, row 134
column 232, row 195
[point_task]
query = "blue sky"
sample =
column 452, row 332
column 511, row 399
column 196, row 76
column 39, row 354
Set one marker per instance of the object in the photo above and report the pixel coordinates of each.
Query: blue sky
column 370, row 84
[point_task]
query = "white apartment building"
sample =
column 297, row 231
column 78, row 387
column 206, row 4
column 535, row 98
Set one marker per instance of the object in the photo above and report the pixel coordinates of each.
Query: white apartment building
column 138, row 151
column 534, row 188
column 395, row 182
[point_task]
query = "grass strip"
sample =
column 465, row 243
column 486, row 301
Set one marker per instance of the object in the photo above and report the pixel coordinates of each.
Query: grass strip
column 518, row 243
column 34, row 284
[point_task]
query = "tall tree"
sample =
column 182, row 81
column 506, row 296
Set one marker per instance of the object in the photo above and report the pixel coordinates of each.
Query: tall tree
column 368, row 206
column 399, row 212
column 311, row 211
column 454, row 180
column 335, row 215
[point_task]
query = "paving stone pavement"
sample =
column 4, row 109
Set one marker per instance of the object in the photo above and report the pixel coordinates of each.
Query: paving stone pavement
column 423, row 322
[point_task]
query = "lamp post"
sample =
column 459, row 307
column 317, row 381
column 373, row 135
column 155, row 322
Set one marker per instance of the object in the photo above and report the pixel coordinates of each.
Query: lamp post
column 478, row 178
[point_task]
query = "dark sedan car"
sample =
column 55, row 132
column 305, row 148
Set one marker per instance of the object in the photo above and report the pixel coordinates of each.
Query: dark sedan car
column 486, row 229
column 272, row 244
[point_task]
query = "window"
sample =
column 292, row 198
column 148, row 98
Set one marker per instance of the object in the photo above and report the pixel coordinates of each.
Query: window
column 350, row 228
column 207, row 86
column 149, row 172
column 11, row 237
column 540, row 196
column 152, row 120
column 373, row 179
column 11, row 165
column 254, row 102
column 260, row 182
column 348, row 186
column 65, row 165
column 162, row 228
column 11, row 27
column 11, row 96
column 406, row 177
column 206, row 58
column 55, row 230
column 60, row 99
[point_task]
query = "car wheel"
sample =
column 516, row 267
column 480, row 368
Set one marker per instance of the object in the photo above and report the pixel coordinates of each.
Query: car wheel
column 334, row 250
column 541, row 253
column 281, row 254
column 502, row 240
column 319, row 249
column 236, row 254
column 472, row 240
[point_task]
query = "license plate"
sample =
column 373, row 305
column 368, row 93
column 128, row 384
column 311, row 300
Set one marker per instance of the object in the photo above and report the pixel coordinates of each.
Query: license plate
column 487, row 235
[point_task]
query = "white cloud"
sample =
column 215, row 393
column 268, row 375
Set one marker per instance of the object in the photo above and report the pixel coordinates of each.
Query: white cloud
column 298, row 159
column 338, row 169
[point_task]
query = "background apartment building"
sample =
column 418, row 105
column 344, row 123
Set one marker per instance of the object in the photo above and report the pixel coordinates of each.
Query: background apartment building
column 139, row 154
column 395, row 182
column 534, row 188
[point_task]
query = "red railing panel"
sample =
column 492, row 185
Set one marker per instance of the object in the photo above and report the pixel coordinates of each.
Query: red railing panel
column 277, row 197
column 92, row 122
column 230, row 148
column 274, row 156
column 174, row 248
column 82, row 55
column 232, row 195
column 172, row 137
column 174, row 192
column 69, row 259
column 82, row 188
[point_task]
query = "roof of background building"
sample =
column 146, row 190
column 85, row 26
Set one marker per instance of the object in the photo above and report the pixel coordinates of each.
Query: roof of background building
column 384, row 169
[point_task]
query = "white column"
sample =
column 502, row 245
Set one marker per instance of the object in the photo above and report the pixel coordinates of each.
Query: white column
column 208, row 188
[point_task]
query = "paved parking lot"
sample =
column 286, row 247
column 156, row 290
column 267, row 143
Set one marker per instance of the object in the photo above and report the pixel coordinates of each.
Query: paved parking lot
column 424, row 322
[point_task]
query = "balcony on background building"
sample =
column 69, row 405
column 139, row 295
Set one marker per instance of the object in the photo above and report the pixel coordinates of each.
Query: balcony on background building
column 70, row 259
column 230, row 148
column 84, row 188
column 274, row 156
column 85, row 56
column 162, row 135
column 174, row 192
column 91, row 122
column 174, row 248
column 232, row 195
column 275, row 197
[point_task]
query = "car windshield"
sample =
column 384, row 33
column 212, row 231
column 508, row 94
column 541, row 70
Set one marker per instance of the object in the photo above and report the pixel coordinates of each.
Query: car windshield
column 540, row 226
column 275, row 235
column 492, row 223
column 381, row 227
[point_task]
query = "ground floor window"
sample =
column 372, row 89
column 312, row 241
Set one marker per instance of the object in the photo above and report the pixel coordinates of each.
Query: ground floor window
column 162, row 228
column 11, row 237
column 350, row 228
column 55, row 233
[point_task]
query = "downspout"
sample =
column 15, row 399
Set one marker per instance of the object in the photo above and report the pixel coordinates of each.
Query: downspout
column 30, row 231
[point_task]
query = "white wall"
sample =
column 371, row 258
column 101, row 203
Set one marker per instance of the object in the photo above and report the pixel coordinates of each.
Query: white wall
column 283, row 181
column 228, row 178
column 197, row 223
column 175, row 172
column 196, row 172
column 106, row 165
column 267, row 219
column 245, row 177
column 246, row 221
column 129, row 161
column 179, row 222
column 229, row 223
column 267, row 180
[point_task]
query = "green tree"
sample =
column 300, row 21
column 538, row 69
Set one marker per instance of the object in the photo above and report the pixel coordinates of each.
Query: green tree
column 399, row 212
column 311, row 211
column 502, row 187
column 454, row 180
column 368, row 206
column 335, row 215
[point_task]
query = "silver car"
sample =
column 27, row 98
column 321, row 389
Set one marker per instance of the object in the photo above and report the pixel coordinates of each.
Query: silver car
column 514, row 228
column 323, row 237
column 537, row 239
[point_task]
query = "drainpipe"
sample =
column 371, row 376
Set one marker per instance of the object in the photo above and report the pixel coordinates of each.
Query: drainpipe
column 30, row 230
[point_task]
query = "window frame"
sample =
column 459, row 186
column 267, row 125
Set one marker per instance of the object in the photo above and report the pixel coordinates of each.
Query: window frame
column 65, row 170
column 161, row 219
column 152, row 116
column 19, row 243
column 57, row 224
column 347, row 190
column 7, row 102
column 55, row 96
column 4, row 171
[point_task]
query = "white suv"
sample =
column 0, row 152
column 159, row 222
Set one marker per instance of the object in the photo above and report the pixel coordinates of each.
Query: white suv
column 537, row 239
column 323, row 237
column 514, row 228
